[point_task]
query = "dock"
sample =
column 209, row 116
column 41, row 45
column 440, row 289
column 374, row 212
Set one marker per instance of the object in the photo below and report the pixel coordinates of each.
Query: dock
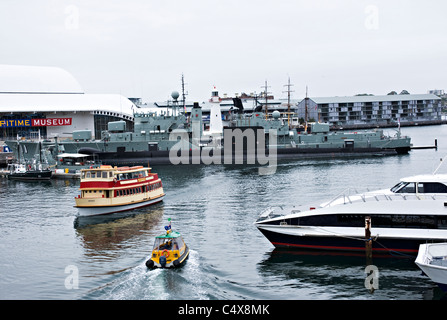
column 435, row 146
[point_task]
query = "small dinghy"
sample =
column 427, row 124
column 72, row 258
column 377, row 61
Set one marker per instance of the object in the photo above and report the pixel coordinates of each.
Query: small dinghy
column 169, row 251
column 432, row 260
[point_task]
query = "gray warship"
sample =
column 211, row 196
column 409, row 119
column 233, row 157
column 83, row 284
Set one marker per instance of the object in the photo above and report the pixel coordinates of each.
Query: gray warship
column 178, row 138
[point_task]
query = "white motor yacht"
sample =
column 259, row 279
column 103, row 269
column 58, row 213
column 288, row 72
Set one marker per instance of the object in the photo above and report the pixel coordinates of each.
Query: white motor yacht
column 412, row 212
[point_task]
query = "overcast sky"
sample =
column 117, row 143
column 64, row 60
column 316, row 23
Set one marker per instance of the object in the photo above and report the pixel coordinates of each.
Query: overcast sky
column 140, row 48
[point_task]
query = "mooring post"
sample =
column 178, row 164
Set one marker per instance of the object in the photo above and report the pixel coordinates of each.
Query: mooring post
column 368, row 240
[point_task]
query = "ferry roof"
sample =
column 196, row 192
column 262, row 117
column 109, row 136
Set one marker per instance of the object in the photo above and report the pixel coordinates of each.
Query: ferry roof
column 172, row 234
column 118, row 169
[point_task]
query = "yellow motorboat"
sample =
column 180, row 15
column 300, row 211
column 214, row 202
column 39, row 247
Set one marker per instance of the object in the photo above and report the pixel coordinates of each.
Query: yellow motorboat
column 169, row 251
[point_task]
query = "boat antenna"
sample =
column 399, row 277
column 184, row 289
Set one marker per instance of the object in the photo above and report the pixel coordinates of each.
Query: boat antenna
column 442, row 161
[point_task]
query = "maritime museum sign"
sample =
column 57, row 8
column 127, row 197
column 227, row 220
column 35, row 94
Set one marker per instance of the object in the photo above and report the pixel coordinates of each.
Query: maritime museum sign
column 50, row 122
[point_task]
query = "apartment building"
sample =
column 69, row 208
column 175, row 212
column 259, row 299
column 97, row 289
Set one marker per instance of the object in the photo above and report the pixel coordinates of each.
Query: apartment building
column 372, row 110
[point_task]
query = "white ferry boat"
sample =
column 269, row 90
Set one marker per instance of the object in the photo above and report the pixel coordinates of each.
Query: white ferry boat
column 108, row 189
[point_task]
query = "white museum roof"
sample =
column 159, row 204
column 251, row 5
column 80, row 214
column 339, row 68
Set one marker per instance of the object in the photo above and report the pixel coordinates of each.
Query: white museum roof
column 52, row 89
column 35, row 102
column 36, row 79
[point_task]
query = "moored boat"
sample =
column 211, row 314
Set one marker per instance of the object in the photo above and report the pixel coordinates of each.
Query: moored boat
column 432, row 260
column 23, row 172
column 33, row 170
column 410, row 213
column 108, row 189
column 169, row 250
column 69, row 165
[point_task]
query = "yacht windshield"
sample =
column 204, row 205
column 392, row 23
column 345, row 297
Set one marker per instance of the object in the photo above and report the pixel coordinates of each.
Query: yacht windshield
column 404, row 187
column 422, row 187
column 398, row 186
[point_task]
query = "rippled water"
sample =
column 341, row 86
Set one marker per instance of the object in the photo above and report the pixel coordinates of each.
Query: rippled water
column 43, row 244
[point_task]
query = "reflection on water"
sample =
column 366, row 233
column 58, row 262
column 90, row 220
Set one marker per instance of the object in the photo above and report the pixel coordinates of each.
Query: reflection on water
column 108, row 231
column 337, row 275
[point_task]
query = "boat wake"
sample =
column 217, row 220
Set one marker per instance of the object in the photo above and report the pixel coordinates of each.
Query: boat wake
column 141, row 283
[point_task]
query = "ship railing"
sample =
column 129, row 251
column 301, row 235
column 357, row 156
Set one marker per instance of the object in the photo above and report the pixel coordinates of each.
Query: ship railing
column 351, row 195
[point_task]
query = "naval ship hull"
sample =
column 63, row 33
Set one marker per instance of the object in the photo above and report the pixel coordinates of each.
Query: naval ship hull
column 137, row 158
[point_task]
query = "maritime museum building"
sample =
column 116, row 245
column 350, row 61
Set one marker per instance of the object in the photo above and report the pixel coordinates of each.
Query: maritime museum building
column 49, row 102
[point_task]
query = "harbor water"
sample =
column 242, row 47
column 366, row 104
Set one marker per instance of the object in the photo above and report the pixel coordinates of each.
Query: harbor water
column 47, row 252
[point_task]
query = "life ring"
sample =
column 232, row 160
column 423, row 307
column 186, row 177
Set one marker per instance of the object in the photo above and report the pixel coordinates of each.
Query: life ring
column 165, row 253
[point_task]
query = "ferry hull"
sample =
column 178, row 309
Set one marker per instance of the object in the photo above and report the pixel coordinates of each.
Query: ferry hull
column 93, row 211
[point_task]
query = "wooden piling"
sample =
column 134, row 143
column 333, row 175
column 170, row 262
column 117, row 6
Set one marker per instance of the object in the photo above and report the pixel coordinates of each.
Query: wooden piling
column 368, row 240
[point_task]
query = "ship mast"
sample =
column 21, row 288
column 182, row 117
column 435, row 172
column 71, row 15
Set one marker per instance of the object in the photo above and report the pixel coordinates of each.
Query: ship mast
column 266, row 95
column 288, row 85
column 305, row 110
column 183, row 94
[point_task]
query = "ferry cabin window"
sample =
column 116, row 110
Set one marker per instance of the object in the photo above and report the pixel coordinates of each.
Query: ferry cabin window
column 104, row 174
column 138, row 174
column 180, row 242
column 88, row 175
column 161, row 244
column 175, row 245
